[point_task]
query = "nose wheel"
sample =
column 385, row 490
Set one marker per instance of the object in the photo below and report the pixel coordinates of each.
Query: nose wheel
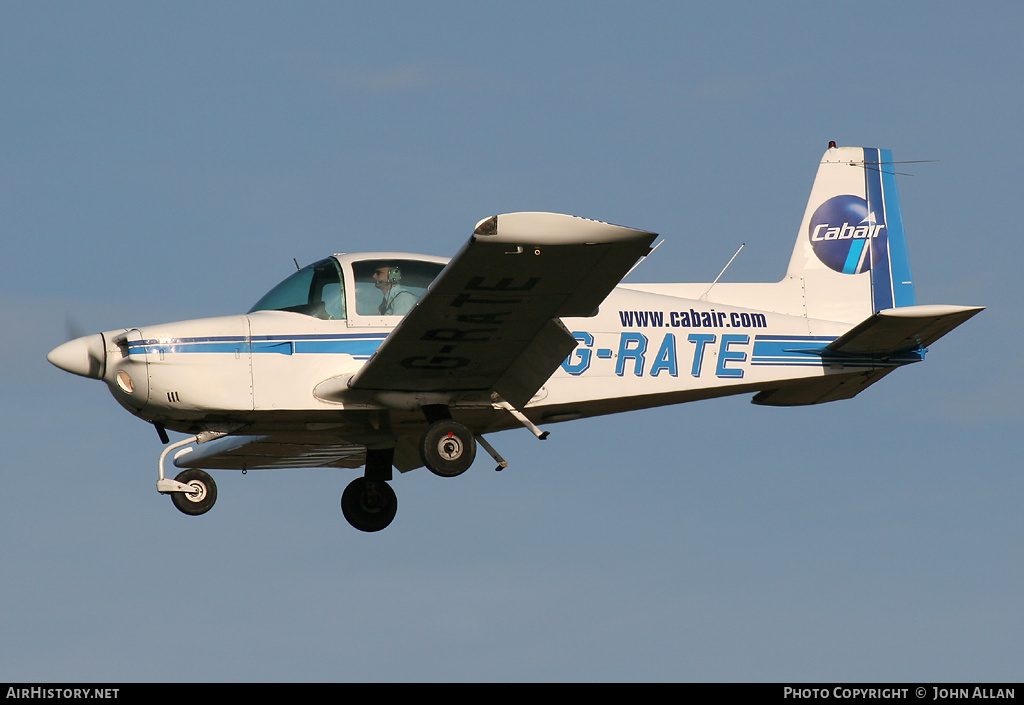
column 201, row 495
column 193, row 491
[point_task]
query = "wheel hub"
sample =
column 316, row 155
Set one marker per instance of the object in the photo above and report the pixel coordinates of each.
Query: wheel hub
column 198, row 493
column 450, row 447
column 447, row 448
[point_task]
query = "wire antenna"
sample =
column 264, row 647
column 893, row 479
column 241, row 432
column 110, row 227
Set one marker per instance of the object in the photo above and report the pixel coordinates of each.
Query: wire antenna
column 878, row 166
column 704, row 296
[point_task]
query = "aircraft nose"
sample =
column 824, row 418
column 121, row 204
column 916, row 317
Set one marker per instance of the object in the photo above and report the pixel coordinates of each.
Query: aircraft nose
column 82, row 356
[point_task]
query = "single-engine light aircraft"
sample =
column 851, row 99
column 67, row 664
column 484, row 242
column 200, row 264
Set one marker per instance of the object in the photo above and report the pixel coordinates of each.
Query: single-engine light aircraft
column 393, row 360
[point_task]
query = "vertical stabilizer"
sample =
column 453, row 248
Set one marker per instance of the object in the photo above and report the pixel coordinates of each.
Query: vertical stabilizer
column 851, row 251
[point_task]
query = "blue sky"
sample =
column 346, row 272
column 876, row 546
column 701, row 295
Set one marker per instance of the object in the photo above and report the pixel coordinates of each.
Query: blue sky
column 164, row 161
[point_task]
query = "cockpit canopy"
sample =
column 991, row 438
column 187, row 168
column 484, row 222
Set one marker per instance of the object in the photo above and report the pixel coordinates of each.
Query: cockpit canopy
column 314, row 290
column 381, row 284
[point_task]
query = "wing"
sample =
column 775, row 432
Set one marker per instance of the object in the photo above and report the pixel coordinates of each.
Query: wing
column 310, row 449
column 490, row 320
column 270, row 453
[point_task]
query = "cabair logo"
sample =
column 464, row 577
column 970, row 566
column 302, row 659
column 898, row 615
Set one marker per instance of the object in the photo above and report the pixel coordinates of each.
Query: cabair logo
column 840, row 231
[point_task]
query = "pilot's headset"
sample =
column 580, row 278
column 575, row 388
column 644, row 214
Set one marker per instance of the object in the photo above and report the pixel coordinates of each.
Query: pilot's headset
column 394, row 276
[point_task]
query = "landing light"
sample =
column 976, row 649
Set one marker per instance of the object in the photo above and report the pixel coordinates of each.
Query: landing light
column 125, row 382
column 487, row 226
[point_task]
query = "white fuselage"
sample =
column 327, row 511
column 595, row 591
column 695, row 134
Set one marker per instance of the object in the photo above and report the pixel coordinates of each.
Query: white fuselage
column 261, row 371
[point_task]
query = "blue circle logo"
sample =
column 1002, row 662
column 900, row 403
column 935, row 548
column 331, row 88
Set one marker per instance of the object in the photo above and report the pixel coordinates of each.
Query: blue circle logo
column 840, row 231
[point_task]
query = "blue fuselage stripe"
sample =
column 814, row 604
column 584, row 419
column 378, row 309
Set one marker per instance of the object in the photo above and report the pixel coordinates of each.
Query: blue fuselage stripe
column 355, row 345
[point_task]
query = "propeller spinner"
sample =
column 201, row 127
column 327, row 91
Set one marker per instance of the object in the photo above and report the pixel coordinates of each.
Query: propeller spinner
column 85, row 356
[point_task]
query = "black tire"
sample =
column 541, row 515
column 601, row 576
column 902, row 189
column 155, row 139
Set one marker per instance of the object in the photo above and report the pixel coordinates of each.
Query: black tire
column 202, row 499
column 448, row 448
column 369, row 505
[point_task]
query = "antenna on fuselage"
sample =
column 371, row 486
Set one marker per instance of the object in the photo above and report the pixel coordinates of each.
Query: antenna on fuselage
column 296, row 263
column 704, row 296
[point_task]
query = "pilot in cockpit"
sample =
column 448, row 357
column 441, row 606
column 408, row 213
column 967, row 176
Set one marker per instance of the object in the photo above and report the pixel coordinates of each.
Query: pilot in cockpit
column 397, row 300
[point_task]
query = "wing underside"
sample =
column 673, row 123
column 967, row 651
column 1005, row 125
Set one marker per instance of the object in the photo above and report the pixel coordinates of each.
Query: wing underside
column 489, row 323
column 271, row 453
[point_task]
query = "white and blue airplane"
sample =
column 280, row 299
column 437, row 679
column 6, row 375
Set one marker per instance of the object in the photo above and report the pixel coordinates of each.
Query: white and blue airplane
column 393, row 360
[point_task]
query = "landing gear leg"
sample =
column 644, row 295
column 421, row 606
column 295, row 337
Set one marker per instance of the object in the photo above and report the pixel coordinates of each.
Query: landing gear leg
column 369, row 503
column 193, row 491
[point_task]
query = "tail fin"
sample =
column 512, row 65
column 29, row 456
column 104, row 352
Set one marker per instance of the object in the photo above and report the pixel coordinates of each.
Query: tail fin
column 851, row 251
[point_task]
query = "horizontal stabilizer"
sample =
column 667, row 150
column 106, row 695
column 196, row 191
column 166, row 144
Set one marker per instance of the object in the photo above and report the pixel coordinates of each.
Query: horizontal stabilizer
column 887, row 334
column 898, row 330
column 820, row 389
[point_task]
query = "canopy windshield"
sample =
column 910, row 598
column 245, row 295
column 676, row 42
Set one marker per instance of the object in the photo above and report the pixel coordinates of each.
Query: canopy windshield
column 315, row 291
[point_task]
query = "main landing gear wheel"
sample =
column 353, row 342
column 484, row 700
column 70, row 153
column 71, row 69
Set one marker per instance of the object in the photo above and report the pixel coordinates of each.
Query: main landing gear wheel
column 369, row 505
column 448, row 448
column 204, row 492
